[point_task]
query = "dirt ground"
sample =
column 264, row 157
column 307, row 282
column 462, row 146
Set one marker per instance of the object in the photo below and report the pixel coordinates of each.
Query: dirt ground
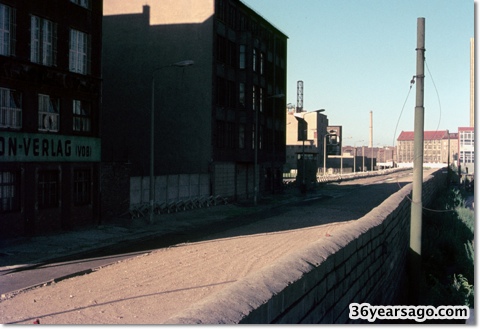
column 153, row 287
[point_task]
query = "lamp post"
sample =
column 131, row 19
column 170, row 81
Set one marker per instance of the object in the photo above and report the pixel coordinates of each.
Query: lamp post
column 301, row 117
column 255, row 167
column 152, row 132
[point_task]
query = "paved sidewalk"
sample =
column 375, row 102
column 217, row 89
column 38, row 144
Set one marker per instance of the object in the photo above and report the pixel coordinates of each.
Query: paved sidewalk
column 27, row 252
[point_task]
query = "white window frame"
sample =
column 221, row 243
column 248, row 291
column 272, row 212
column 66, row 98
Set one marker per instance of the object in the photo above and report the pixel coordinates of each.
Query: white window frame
column 79, row 52
column 7, row 30
column 43, row 39
column 10, row 109
column 48, row 113
column 82, row 121
column 81, row 3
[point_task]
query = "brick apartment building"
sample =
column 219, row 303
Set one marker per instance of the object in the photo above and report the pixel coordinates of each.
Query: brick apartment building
column 208, row 115
column 50, row 91
column 439, row 147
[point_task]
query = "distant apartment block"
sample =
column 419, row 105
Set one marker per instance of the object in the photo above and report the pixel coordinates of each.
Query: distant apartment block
column 440, row 147
column 50, row 94
column 466, row 147
column 212, row 119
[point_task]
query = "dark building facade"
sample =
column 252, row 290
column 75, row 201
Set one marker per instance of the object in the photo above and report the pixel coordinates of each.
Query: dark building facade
column 207, row 116
column 50, row 93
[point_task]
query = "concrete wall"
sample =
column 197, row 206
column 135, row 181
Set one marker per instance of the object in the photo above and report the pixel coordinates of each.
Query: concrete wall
column 169, row 188
column 364, row 263
column 224, row 175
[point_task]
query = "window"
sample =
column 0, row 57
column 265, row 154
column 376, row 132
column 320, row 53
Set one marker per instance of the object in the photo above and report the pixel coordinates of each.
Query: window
column 231, row 135
column 262, row 63
column 9, row 191
column 10, row 109
column 254, row 64
column 231, row 94
column 82, row 194
column 79, row 52
column 232, row 16
column 48, row 189
column 82, row 3
column 220, row 133
column 43, row 41
column 241, row 94
column 260, row 99
column 221, row 49
column 220, row 9
column 260, row 138
column 232, row 53
column 241, row 57
column 254, row 98
column 48, row 113
column 241, row 136
column 81, row 116
column 7, row 30
column 221, row 92
column 242, row 22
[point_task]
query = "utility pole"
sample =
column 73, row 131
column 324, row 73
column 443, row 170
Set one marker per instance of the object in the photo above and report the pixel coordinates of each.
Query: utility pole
column 415, row 251
column 371, row 138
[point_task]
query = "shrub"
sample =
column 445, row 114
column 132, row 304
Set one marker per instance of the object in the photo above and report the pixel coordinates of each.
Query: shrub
column 448, row 252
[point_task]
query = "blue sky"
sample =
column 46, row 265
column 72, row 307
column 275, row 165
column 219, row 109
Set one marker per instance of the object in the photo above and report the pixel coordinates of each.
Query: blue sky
column 359, row 56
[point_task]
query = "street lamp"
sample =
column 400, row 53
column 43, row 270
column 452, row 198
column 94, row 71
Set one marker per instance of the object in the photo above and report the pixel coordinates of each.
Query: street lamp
column 301, row 117
column 152, row 131
column 255, row 180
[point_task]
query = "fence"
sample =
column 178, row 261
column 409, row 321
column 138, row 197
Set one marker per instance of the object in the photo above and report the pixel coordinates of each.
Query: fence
column 172, row 193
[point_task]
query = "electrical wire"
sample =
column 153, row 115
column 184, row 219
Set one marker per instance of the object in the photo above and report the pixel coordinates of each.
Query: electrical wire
column 438, row 96
column 436, row 130
column 403, row 107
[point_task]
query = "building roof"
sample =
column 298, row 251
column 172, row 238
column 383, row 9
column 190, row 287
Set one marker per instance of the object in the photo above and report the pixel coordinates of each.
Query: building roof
column 427, row 135
column 452, row 136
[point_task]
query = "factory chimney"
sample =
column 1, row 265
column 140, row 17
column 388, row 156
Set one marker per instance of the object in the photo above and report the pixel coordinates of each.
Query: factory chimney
column 370, row 142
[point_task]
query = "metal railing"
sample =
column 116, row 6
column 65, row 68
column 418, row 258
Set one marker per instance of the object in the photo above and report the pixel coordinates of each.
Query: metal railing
column 143, row 209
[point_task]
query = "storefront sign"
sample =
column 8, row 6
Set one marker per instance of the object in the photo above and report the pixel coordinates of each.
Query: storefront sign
column 24, row 147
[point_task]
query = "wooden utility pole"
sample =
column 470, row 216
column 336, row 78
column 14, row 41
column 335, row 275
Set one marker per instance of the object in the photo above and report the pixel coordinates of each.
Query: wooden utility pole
column 416, row 208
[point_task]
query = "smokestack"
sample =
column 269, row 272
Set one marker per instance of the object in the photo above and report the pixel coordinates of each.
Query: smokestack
column 370, row 142
column 299, row 96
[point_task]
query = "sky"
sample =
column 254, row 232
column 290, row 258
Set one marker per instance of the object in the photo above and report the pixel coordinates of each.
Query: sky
column 357, row 56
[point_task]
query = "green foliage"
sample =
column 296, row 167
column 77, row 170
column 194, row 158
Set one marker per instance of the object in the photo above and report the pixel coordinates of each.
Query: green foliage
column 448, row 252
column 462, row 288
